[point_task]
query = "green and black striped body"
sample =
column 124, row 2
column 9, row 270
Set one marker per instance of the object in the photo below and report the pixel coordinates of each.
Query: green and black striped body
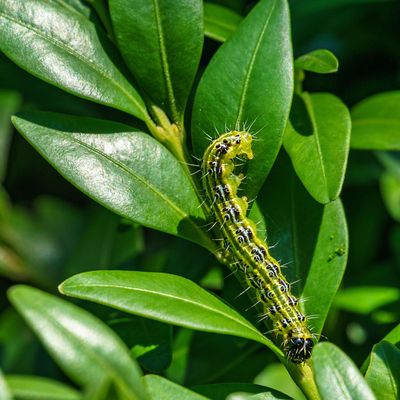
column 249, row 253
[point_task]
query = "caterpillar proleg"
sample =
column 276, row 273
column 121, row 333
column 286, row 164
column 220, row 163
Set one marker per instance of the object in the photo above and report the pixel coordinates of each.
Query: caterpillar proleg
column 247, row 252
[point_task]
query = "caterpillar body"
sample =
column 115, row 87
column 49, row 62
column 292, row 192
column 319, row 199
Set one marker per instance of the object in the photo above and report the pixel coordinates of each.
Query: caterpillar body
column 246, row 251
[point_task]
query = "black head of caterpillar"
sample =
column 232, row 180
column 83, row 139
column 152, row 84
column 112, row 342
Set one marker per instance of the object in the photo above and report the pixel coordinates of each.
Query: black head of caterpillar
column 261, row 271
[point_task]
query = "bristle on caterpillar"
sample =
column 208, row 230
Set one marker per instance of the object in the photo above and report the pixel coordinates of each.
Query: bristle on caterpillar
column 248, row 253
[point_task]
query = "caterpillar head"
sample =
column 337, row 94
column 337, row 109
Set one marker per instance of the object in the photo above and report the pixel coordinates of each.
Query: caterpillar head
column 299, row 349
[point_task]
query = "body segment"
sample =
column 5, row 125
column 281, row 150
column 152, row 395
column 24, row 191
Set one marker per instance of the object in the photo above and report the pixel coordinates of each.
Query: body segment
column 249, row 253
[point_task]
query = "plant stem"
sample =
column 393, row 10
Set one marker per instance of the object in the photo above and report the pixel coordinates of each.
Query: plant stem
column 303, row 376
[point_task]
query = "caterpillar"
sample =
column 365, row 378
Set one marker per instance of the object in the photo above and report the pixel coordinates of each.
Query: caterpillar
column 246, row 251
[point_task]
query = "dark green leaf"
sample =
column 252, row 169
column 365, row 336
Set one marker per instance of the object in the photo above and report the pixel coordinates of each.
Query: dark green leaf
column 310, row 239
column 383, row 371
column 163, row 297
column 256, row 215
column 82, row 345
column 160, row 388
column 161, row 42
column 276, row 376
column 180, row 356
column 149, row 341
column 336, row 375
column 126, row 171
column 233, row 391
column 248, row 85
column 376, row 122
column 220, row 22
column 390, row 188
column 9, row 102
column 62, row 47
column 366, row 299
column 5, row 393
column 321, row 61
column 94, row 249
column 31, row 252
column 17, row 344
column 317, row 140
column 24, row 387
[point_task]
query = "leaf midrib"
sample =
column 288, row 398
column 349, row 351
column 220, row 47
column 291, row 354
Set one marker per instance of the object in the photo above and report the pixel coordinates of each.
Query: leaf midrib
column 93, row 355
column 249, row 71
column 167, row 295
column 129, row 171
column 316, row 131
column 164, row 61
column 63, row 46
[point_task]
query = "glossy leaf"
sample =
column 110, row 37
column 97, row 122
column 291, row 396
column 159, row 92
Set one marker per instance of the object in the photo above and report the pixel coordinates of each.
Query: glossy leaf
column 366, row 299
column 160, row 388
column 9, row 102
column 317, row 140
column 161, row 42
column 321, row 61
column 393, row 336
column 248, row 85
column 220, row 22
column 336, row 375
column 390, row 188
column 233, row 391
column 5, row 393
column 82, row 345
column 163, row 297
column 376, row 122
column 62, row 47
column 310, row 239
column 383, row 371
column 126, row 171
column 25, row 387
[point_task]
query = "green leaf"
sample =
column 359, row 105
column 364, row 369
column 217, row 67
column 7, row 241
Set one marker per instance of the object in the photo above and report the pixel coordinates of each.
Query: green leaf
column 18, row 345
column 163, row 297
column 390, row 188
column 256, row 215
column 376, row 122
column 160, row 388
column 64, row 48
column 321, row 61
column 180, row 356
column 126, row 171
column 9, row 102
column 220, row 22
column 276, row 376
column 77, row 6
column 309, row 238
column 100, row 243
column 365, row 299
column 248, row 85
column 336, row 375
column 161, row 42
column 82, row 345
column 383, row 371
column 317, row 140
column 224, row 391
column 149, row 341
column 12, row 266
column 24, row 387
column 5, row 393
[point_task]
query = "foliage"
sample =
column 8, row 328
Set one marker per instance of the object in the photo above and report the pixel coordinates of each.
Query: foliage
column 121, row 98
